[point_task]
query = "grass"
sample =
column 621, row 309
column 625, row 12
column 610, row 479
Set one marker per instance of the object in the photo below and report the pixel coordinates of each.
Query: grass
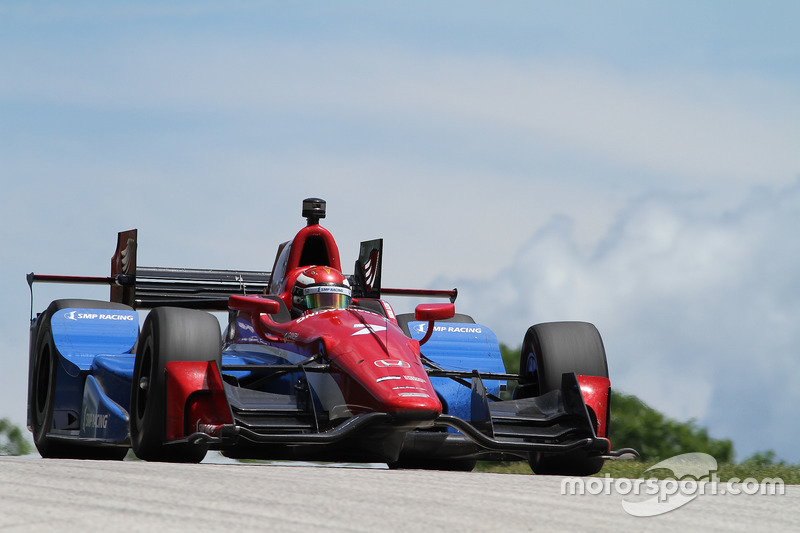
column 790, row 474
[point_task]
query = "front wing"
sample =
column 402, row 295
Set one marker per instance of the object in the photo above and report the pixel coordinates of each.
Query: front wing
column 202, row 408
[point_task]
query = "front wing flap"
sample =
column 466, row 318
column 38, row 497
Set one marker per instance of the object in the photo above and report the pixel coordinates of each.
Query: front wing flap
column 557, row 421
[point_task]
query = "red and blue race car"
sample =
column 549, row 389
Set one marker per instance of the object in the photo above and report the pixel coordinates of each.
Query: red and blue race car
column 313, row 364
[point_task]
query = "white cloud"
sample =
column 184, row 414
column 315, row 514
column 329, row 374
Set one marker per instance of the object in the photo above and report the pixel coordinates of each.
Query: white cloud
column 698, row 307
column 720, row 127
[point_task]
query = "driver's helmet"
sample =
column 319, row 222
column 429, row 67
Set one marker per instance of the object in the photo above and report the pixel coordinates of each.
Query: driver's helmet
column 320, row 287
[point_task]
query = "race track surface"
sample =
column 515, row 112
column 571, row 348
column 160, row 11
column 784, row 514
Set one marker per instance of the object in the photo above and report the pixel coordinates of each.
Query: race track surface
column 67, row 495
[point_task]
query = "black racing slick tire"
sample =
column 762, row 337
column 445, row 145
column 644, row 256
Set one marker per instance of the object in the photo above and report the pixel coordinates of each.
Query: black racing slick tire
column 44, row 383
column 168, row 334
column 548, row 351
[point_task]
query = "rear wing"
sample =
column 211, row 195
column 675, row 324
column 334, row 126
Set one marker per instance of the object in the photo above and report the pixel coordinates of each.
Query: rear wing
column 144, row 287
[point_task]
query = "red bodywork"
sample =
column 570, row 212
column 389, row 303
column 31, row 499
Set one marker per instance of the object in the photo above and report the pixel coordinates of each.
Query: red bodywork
column 195, row 399
column 596, row 391
column 375, row 366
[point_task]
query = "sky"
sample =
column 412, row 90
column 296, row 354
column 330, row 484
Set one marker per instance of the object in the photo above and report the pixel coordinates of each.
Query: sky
column 630, row 164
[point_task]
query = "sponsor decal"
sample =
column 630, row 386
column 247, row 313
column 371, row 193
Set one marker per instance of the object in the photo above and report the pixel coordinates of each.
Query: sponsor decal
column 386, row 363
column 94, row 420
column 246, row 331
column 387, row 378
column 77, row 315
column 308, row 315
column 422, row 328
column 245, row 326
column 327, row 289
column 414, row 395
column 405, row 387
column 389, row 311
column 366, row 329
column 463, row 329
column 414, row 378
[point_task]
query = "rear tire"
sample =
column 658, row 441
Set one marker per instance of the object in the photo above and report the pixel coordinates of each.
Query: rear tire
column 43, row 389
column 548, row 351
column 168, row 334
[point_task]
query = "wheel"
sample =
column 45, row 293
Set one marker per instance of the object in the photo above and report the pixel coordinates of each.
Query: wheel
column 43, row 382
column 548, row 351
column 168, row 334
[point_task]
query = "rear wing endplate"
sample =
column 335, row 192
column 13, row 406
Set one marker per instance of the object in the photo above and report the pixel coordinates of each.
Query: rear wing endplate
column 366, row 281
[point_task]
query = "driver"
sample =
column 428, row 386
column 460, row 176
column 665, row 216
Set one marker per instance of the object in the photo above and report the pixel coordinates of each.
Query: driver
column 320, row 287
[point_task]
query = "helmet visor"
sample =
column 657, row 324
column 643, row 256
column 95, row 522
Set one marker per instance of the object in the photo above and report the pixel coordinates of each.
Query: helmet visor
column 327, row 297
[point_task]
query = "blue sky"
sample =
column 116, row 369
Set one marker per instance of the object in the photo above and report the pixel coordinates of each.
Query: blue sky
column 632, row 164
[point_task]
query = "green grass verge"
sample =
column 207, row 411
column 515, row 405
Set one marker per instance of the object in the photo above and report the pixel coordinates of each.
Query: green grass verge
column 790, row 474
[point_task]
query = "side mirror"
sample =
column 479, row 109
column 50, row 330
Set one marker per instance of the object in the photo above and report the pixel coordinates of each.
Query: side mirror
column 432, row 313
column 253, row 304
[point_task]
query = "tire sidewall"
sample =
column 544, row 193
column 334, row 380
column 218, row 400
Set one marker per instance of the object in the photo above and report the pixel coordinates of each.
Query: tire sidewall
column 147, row 427
column 43, row 388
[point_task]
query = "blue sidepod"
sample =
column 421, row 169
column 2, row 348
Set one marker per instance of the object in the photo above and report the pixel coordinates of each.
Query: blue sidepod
column 95, row 369
column 101, row 418
column 465, row 347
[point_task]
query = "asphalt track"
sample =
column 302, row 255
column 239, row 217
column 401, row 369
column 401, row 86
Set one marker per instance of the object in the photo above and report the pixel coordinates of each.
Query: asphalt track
column 67, row 495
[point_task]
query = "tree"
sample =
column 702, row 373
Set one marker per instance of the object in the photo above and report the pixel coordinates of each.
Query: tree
column 12, row 440
column 764, row 458
column 636, row 425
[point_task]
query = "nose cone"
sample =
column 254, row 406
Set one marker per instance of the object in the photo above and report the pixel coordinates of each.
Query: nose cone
column 380, row 367
column 398, row 384
column 407, row 394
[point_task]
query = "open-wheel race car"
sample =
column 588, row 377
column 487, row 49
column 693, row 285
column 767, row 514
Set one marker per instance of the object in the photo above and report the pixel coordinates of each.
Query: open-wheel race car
column 313, row 364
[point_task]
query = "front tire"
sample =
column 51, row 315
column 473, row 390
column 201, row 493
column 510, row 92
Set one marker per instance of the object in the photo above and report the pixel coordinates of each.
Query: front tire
column 548, row 351
column 168, row 334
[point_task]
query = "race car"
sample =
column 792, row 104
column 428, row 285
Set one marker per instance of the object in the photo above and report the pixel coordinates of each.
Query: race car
column 313, row 364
